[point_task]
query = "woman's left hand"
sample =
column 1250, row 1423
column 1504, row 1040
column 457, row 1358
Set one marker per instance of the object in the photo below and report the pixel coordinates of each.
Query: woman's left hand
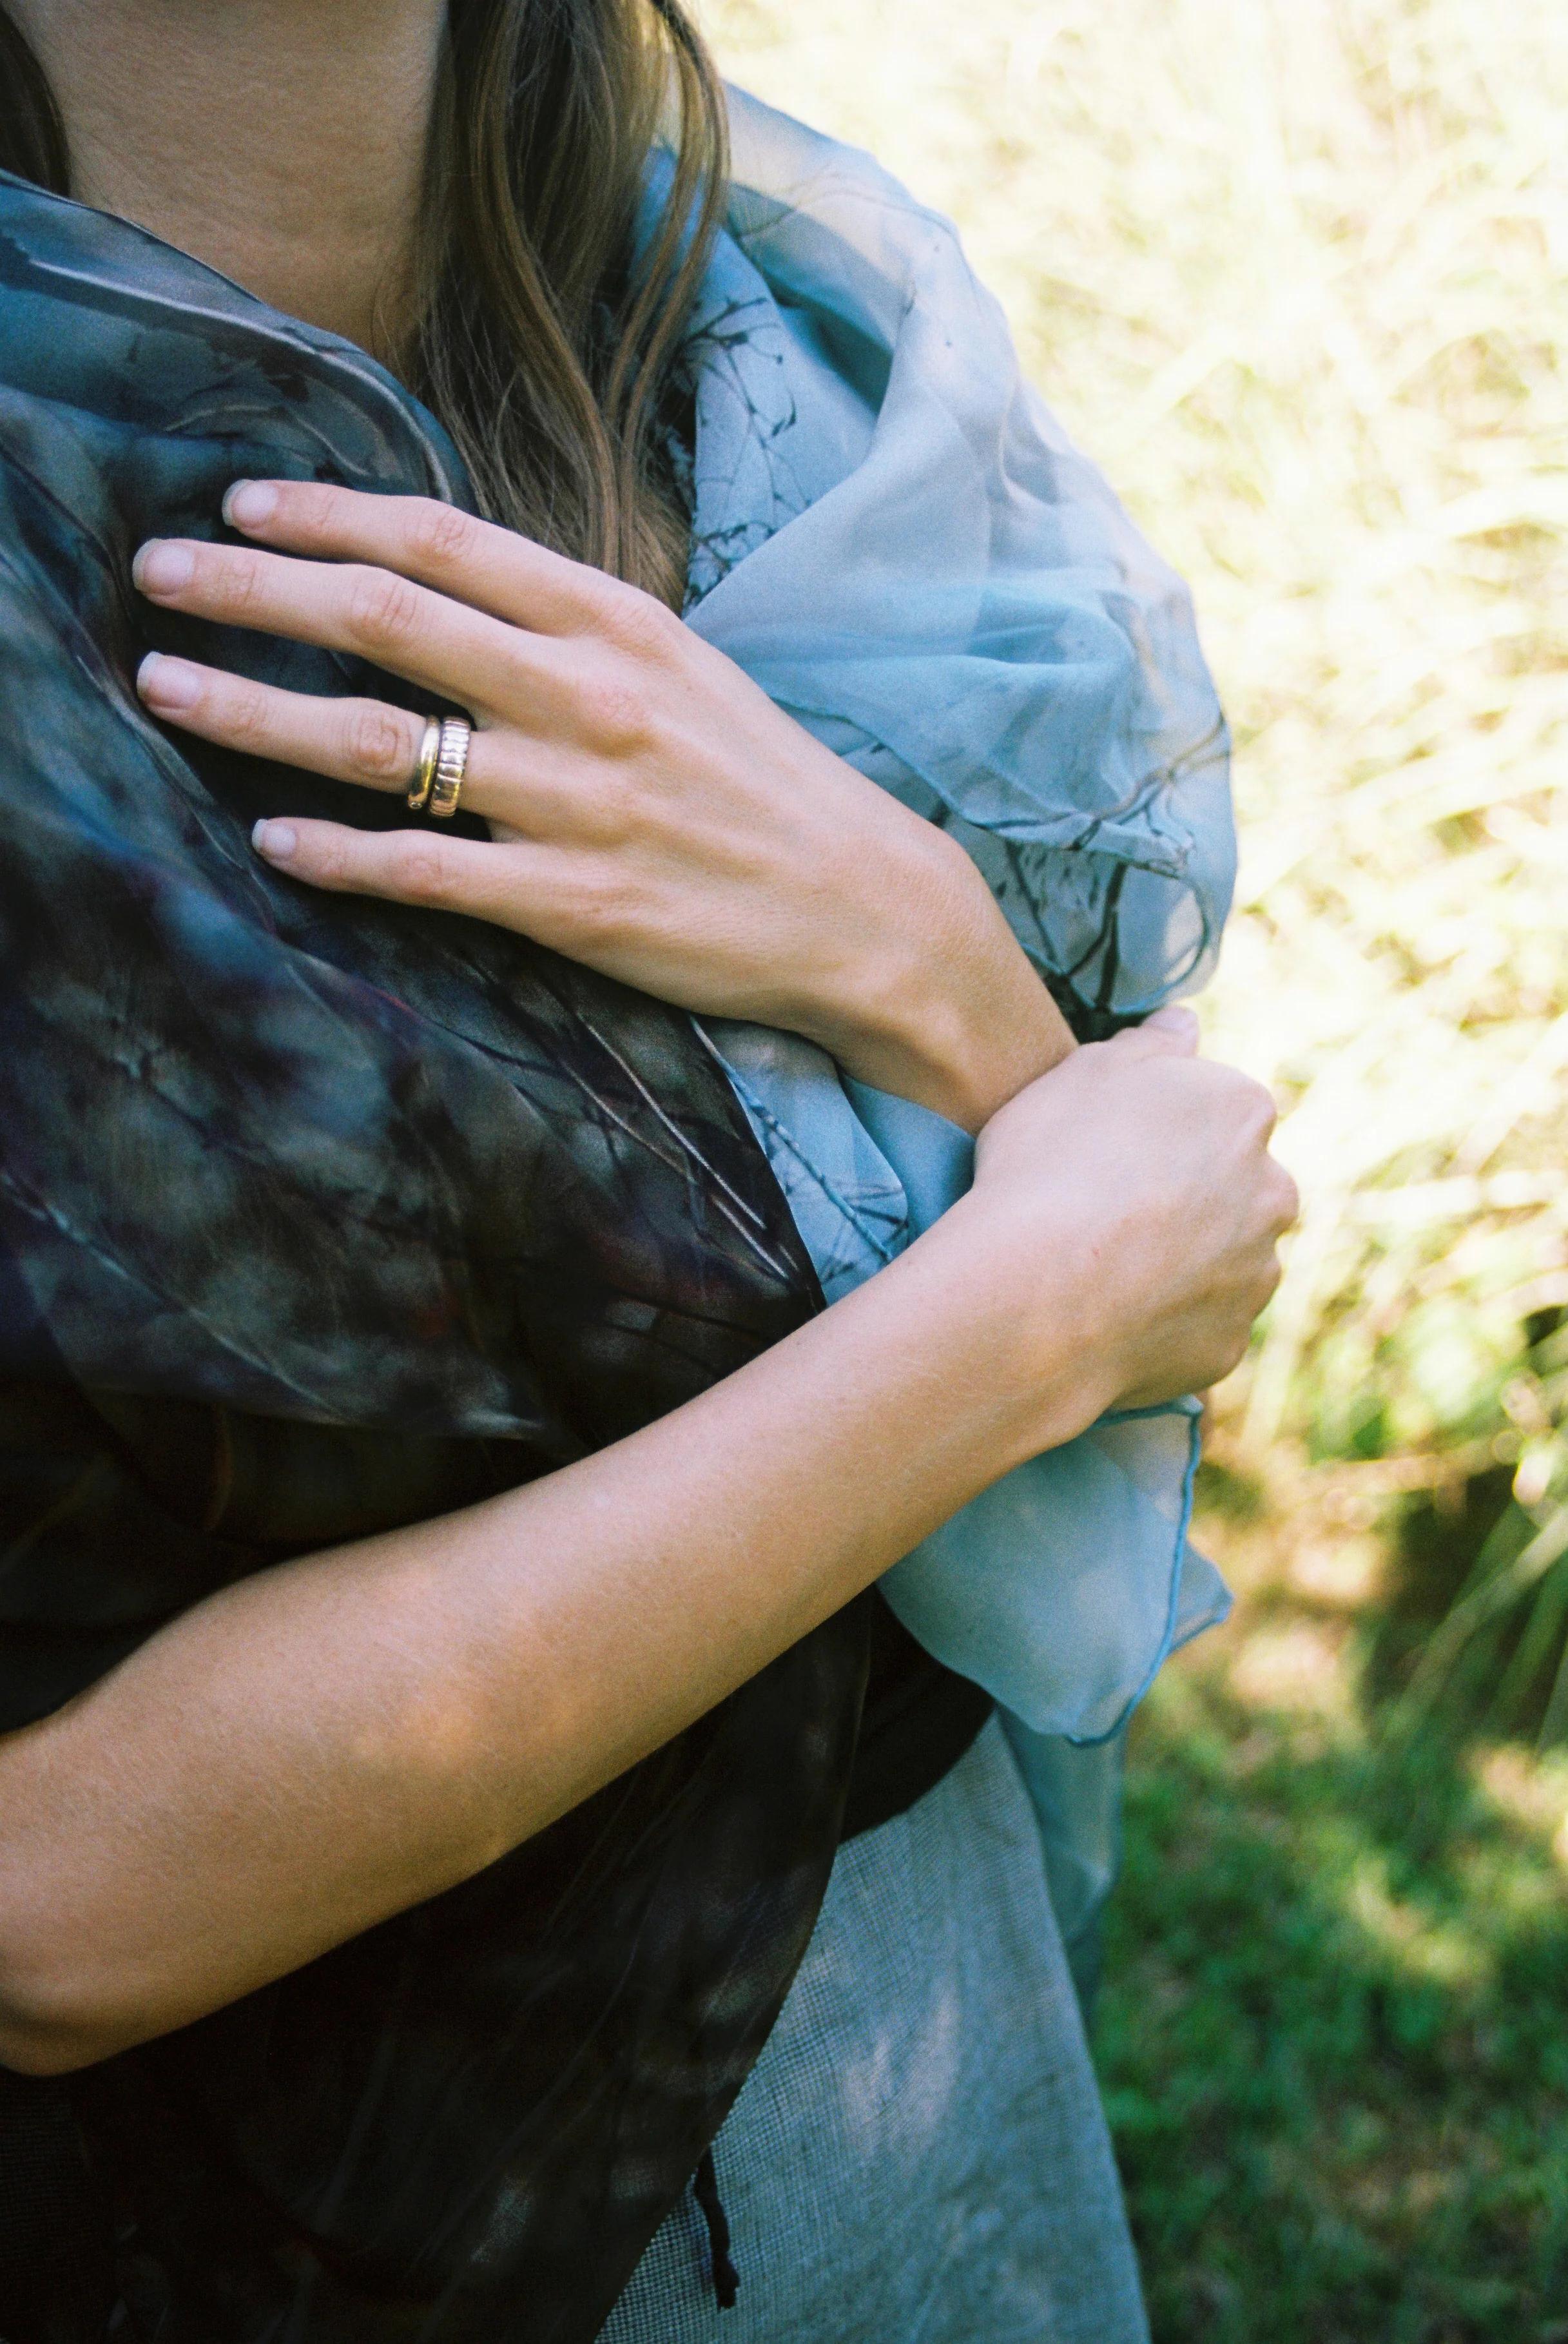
column 652, row 813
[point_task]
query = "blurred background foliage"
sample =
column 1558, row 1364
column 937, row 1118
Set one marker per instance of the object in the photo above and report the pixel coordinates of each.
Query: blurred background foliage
column 1296, row 272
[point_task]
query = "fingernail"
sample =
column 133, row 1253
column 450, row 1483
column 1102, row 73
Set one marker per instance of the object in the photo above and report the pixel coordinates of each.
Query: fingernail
column 250, row 504
column 275, row 840
column 171, row 683
column 163, row 568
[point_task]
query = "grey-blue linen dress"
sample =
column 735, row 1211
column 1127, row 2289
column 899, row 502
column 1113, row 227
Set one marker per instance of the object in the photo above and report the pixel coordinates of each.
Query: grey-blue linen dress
column 919, row 2157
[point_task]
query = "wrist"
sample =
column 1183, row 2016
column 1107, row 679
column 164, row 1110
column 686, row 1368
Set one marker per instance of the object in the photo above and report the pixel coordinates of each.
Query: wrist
column 938, row 1003
column 1030, row 1326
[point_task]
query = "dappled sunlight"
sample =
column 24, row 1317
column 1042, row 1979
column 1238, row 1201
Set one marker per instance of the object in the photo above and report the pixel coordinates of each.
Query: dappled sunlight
column 1340, row 1570
column 1331, row 2029
column 1450, row 1954
column 1299, row 1666
column 1331, row 2032
column 1532, row 1792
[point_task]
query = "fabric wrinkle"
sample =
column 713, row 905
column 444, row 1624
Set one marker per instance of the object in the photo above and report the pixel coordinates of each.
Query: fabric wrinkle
column 416, row 1210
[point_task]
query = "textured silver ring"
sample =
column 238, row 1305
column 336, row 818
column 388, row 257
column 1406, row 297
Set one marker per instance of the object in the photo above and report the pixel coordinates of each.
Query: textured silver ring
column 452, row 767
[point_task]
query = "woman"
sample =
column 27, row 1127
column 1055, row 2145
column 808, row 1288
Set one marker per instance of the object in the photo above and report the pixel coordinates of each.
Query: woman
column 433, row 1660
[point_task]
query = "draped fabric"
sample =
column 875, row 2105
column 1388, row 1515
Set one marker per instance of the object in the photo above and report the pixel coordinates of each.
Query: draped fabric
column 895, row 535
column 896, row 538
column 319, row 1215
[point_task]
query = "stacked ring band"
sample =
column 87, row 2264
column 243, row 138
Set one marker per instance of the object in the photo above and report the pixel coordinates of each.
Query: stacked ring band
column 425, row 773
column 451, row 765
column 443, row 762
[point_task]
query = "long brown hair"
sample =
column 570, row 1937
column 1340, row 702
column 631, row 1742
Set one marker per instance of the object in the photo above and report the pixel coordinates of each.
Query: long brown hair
column 544, row 348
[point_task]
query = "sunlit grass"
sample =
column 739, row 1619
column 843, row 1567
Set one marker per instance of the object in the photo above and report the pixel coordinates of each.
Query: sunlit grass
column 1297, row 272
column 1332, row 2033
column 1333, row 2042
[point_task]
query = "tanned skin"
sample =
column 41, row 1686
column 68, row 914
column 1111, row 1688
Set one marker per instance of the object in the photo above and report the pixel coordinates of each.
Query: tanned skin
column 333, row 1741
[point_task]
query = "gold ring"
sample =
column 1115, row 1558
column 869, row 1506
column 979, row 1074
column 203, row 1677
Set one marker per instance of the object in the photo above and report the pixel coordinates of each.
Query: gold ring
column 425, row 773
column 452, row 767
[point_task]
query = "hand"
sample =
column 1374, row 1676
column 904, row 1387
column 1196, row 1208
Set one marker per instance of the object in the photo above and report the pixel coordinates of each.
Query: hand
column 325, row 1773
column 1152, row 1166
column 652, row 812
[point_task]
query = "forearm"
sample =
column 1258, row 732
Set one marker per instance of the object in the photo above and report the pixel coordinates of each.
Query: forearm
column 940, row 1004
column 333, row 1741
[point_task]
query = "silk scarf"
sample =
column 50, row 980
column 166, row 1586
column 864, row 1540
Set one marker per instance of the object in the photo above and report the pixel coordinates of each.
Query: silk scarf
column 319, row 1216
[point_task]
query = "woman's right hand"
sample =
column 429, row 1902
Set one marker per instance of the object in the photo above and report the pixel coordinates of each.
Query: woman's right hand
column 1157, row 1163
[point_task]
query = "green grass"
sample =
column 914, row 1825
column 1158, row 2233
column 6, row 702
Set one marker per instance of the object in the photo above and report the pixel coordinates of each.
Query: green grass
column 1333, row 2032
column 1333, row 2042
column 1296, row 271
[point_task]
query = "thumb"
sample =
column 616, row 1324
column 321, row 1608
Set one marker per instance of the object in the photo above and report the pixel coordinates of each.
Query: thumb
column 1169, row 1033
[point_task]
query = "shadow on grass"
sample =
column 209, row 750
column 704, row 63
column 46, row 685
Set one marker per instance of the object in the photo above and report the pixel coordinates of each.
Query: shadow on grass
column 1434, row 1539
column 1333, row 2036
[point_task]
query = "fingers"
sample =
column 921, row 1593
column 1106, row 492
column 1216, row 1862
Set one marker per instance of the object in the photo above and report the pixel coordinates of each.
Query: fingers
column 1283, row 1199
column 1171, row 1032
column 1238, row 1114
column 489, row 568
column 408, row 866
column 360, row 740
column 1177, row 1023
column 460, row 654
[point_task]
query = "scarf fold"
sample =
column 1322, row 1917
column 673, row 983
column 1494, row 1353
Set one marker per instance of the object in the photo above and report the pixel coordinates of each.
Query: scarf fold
column 319, row 1215
column 895, row 536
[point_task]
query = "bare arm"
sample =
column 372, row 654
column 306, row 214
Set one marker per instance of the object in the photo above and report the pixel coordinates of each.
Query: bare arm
column 333, row 1741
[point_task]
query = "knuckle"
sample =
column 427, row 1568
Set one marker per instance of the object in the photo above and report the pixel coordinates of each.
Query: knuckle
column 1243, row 1088
column 247, row 716
column 384, row 610
column 598, row 597
column 612, row 808
column 598, row 911
column 639, row 624
column 439, row 535
column 612, row 711
column 375, row 744
column 418, row 868
column 1252, row 1108
column 240, row 581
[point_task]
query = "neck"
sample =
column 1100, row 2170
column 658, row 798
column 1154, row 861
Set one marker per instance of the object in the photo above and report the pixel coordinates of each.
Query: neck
column 282, row 141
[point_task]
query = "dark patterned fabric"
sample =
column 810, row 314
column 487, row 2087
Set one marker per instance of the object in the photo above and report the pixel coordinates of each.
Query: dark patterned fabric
column 319, row 1216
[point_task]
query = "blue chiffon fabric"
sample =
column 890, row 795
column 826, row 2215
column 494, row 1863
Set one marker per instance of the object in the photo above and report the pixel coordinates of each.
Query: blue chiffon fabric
column 895, row 539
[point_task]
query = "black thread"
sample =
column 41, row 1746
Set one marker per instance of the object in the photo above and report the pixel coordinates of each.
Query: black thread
column 705, row 2190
